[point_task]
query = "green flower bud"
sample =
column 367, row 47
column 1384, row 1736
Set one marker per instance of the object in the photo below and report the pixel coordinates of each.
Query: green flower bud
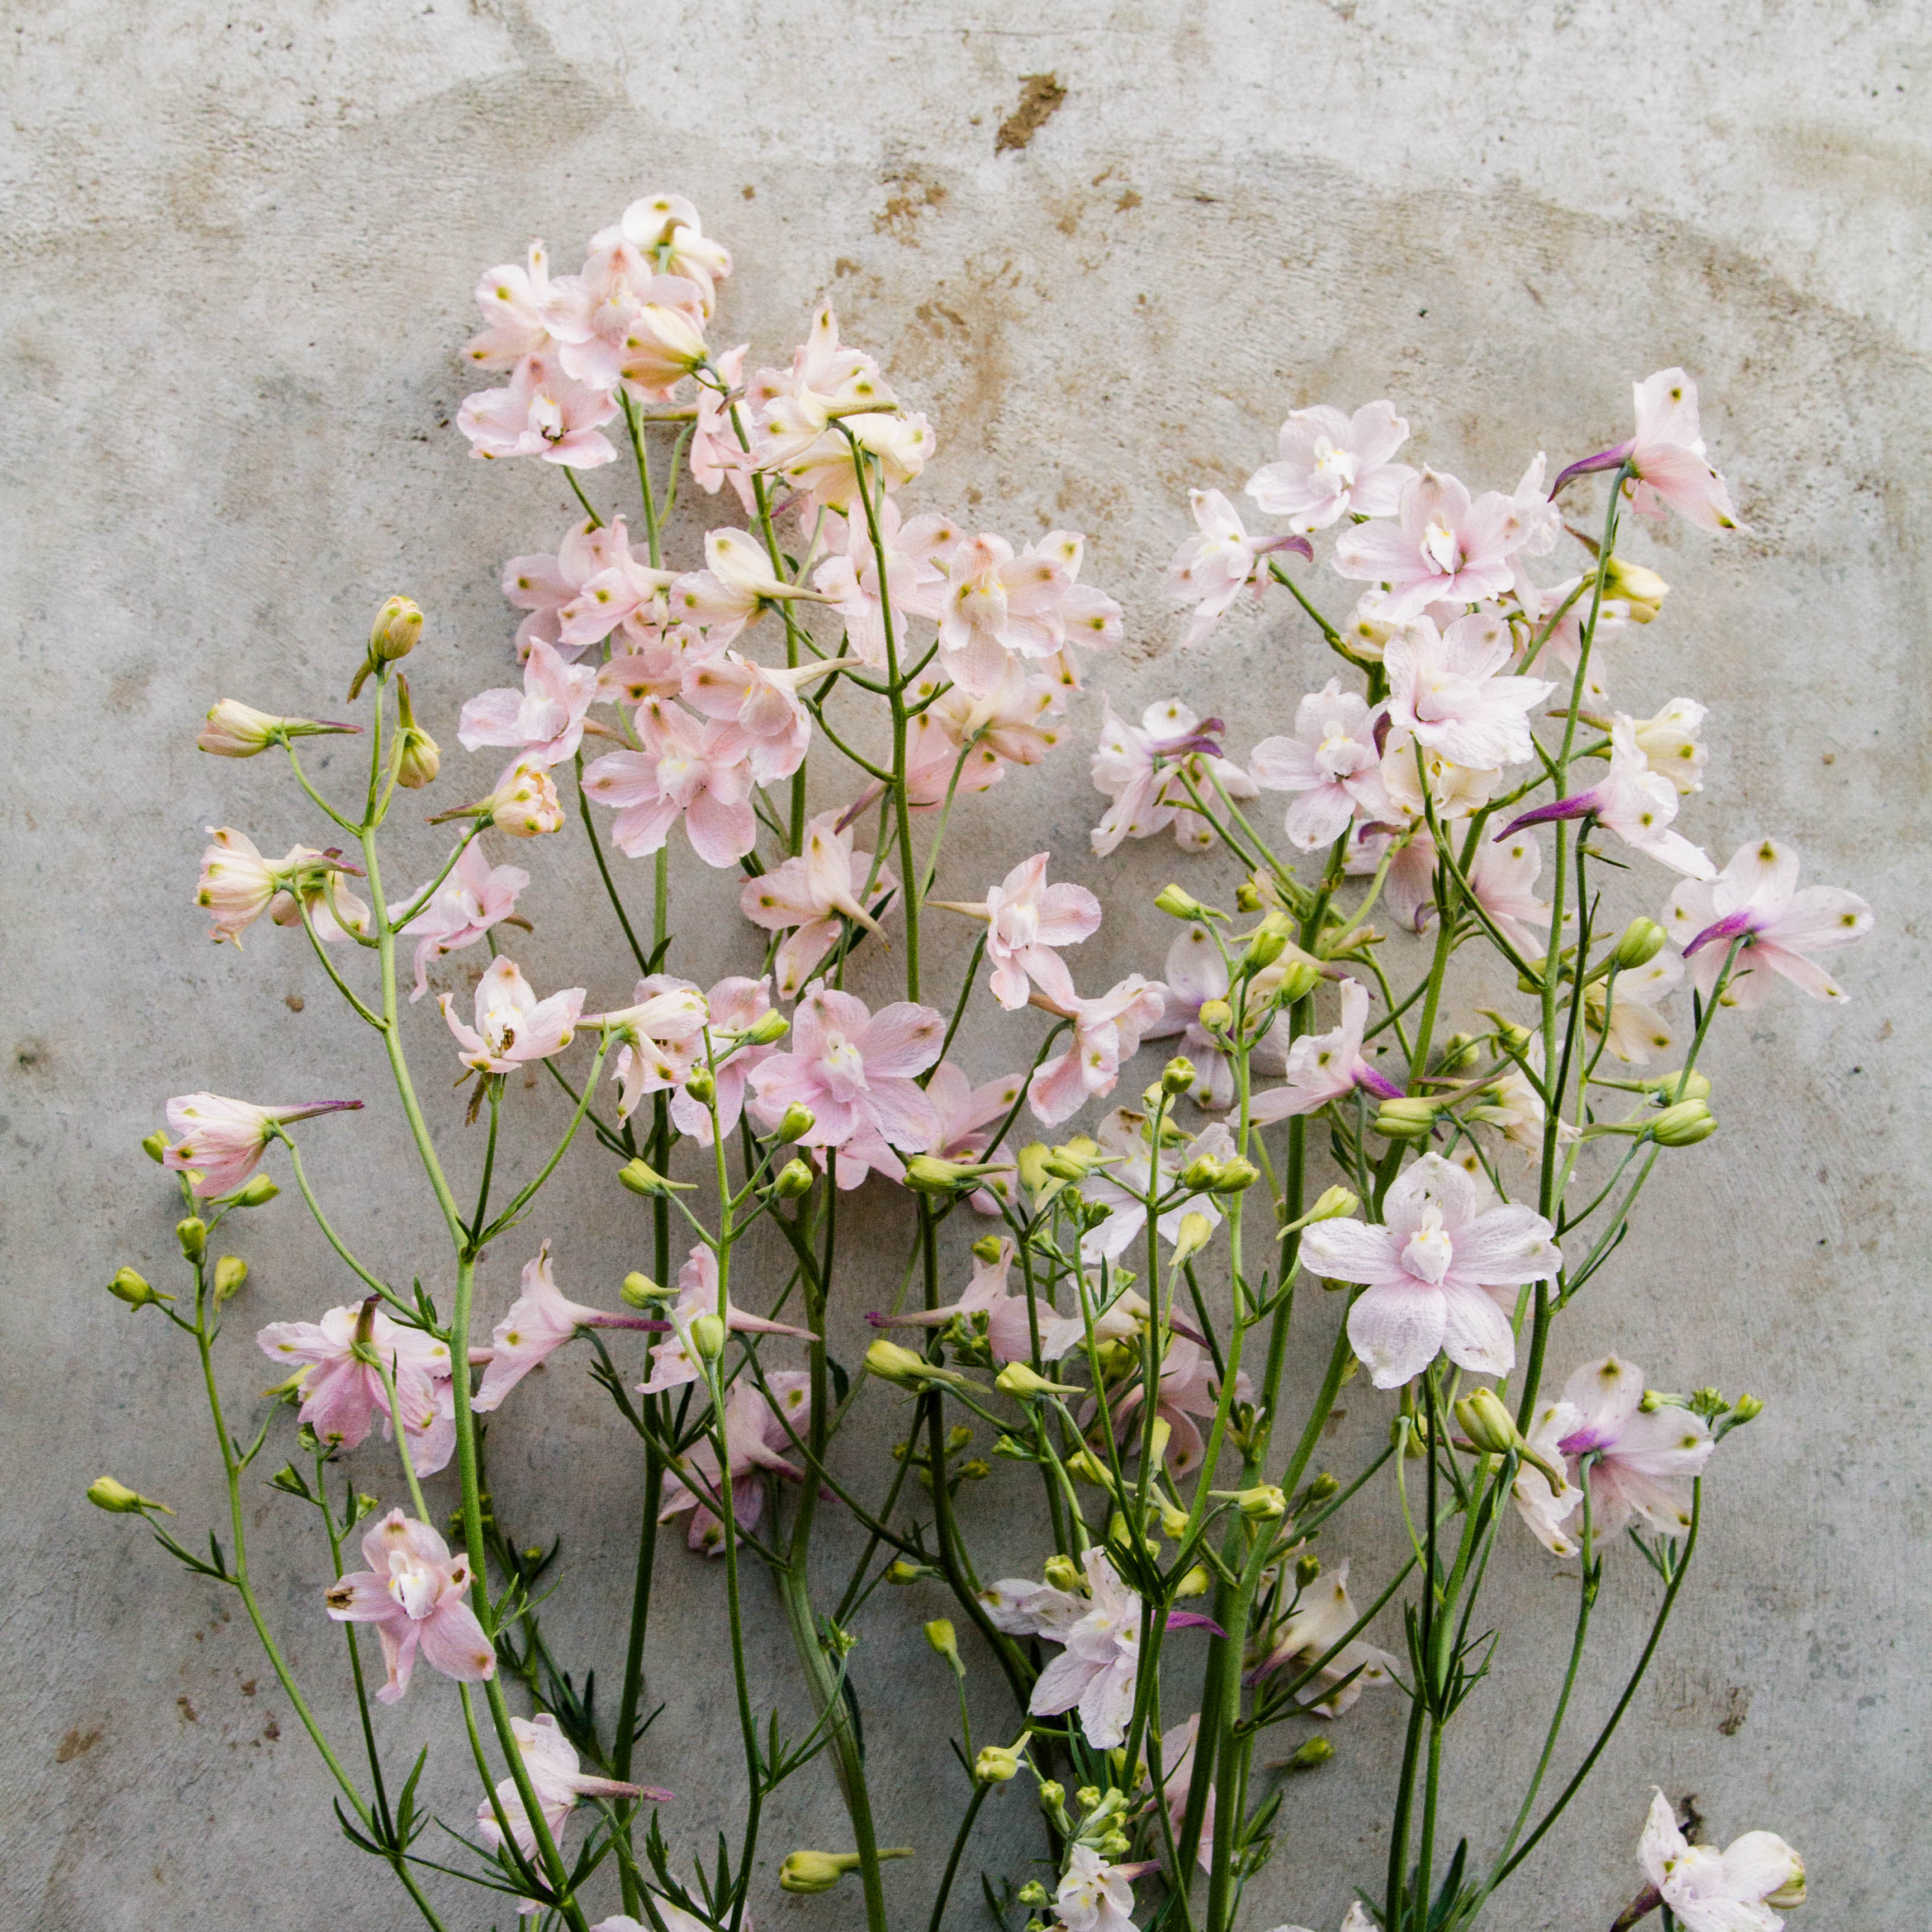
column 1642, row 941
column 792, row 1179
column 1746, row 1408
column 1177, row 1075
column 1052, row 1794
column 798, row 1122
column 1193, row 1235
column 104, row 1492
column 1215, row 1016
column 998, row 1764
column 1017, row 1380
column 900, row 1366
column 1666, row 1085
column 1263, row 1503
column 901, row 1573
column 1196, row 1583
column 943, row 1640
column 1333, row 1205
column 1178, row 903
column 1033, row 1893
column 1510, row 1037
column 1642, row 590
column 154, row 1147
column 986, row 1249
column 192, row 1234
column 1236, row 1177
column 707, row 1337
column 394, row 634
column 230, row 1272
column 1323, row 1487
column 641, row 1177
column 418, row 760
column 1311, row 1752
column 1247, row 896
column 1301, row 977
column 1683, row 1125
column 808, row 1872
column 976, row 1469
column 771, row 1028
column 701, row 1086
column 927, row 1174
column 258, row 1193
column 640, row 1292
column 1307, row 1568
column 1266, row 944
column 1410, row 1118
column 1486, row 1423
column 1460, row 1053
column 132, row 1288
column 1064, row 1574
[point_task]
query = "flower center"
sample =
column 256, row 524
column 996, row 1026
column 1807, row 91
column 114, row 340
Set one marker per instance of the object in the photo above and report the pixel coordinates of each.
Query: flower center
column 1429, row 1250
column 414, row 1584
column 1439, row 546
column 1336, row 468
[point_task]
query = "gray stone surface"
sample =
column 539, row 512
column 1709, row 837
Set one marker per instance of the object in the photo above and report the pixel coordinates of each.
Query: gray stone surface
column 239, row 248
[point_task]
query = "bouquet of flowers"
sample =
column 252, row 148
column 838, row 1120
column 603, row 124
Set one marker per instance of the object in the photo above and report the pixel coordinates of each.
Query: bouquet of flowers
column 1113, row 1306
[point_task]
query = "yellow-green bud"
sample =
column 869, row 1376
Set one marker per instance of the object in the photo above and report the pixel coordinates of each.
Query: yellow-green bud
column 154, row 1147
column 808, row 1873
column 975, row 1469
column 1202, row 1173
column 1792, row 1891
column 1746, row 1408
column 798, row 1122
column 134, row 1289
column 1310, row 1752
column 1193, row 1235
column 1052, row 1794
column 1510, row 1037
column 1017, row 1380
column 1173, row 1521
column 1266, row 944
column 398, row 625
column 1062, row 1573
column 1032, row 1160
column 770, row 1029
column 986, row 1249
column 1683, row 1125
column 1641, row 942
column 901, row 1573
column 998, row 1764
column 1033, row 1893
column 104, row 1492
column 641, row 1177
column 1323, row 1487
column 944, row 1641
column 1301, row 978
column 1236, row 1177
column 1177, row 1075
column 957, row 1437
column 701, row 1086
column 258, row 1192
column 1307, row 1569
column 192, row 1234
column 900, row 1366
column 928, row 1173
column 1195, row 1583
column 1643, row 590
column 1332, row 1204
column 707, row 1337
column 792, row 1179
column 1410, row 1118
column 1460, row 1053
column 1084, row 1466
column 1263, row 1503
column 1177, row 902
column 1666, row 1085
column 1487, row 1423
column 1088, row 1796
column 230, row 1272
column 640, row 1292
column 1216, row 1015
column 418, row 760
column 1247, row 898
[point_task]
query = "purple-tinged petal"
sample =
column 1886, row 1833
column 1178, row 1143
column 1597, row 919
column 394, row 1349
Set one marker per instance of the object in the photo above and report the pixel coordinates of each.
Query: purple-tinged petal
column 1612, row 458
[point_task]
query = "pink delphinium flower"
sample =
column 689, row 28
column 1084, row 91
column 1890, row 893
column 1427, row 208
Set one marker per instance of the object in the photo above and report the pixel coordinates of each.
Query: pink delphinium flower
column 791, row 409
column 1188, row 1388
column 1445, row 691
column 511, row 298
column 1196, row 973
column 550, row 1764
column 1444, row 548
column 735, row 1005
column 543, row 585
column 620, row 320
column 666, row 227
column 812, row 895
column 1503, row 875
column 1094, row 1895
column 476, row 896
column 1756, row 899
column 1549, row 1512
column 1139, row 767
column 343, row 1391
column 1123, row 1185
column 1106, row 1031
column 715, row 452
column 627, row 595
column 854, row 1070
column 998, row 606
column 675, row 1361
column 1177, row 1768
column 1331, row 760
column 534, row 1326
column 545, row 721
column 1644, row 1463
column 1333, row 465
column 413, row 1592
column 1027, row 920
column 222, row 1140
column 915, row 582
column 513, row 1026
column 1322, row 1617
column 736, row 585
column 1632, row 802
column 542, row 412
column 688, row 766
column 976, row 735
column 1324, row 1066
column 1213, row 567
column 1667, row 454
column 762, row 705
column 754, row 1436
column 238, row 885
column 1009, row 1324
column 825, row 472
column 1711, row 1891
column 1429, row 1267
column 662, row 1033
column 962, row 1110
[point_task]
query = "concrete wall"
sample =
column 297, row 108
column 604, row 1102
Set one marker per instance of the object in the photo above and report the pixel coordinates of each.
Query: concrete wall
column 239, row 246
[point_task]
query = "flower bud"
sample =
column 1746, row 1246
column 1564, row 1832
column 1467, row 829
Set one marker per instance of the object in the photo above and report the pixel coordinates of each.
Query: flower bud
column 1266, row 944
column 1215, row 1016
column 525, row 806
column 1666, row 1087
column 1084, row 1466
column 975, row 1469
column 192, row 1233
column 155, row 1148
column 1173, row 1521
column 1264, row 1503
column 707, row 1337
column 1510, row 1037
column 792, row 1179
column 1236, row 1177
column 1178, row 903
column 1202, row 1173
column 104, row 1492
column 944, row 1641
column 1332, row 1204
column 901, row 1573
column 927, row 1174
column 398, row 625
column 1310, row 1752
column 1307, row 1570
column 1683, row 1125
column 1486, row 1423
column 1033, row 1893
column 1409, row 1119
column 640, row 1292
column 418, row 760
column 1247, row 897
column 230, row 1272
column 1064, row 1574
column 957, row 1437
column 1017, row 1380
column 1323, row 1487
column 1746, row 1408
column 986, row 1249
column 1460, row 1053
column 998, row 1764
column 1642, row 590
column 808, row 1872
column 900, row 1366
column 796, row 1123
column 1293, row 979
column 1196, row 1583
column 1177, row 1075
column 701, row 1085
column 132, row 1288
column 239, row 731
column 1642, row 941
column 1792, row 1891
column 1052, row 1794
column 641, row 1177
column 258, row 1192
column 1193, row 1235
column 770, row 1028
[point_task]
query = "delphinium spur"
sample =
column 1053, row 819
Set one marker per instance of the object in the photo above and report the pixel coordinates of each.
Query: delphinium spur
column 1118, row 1308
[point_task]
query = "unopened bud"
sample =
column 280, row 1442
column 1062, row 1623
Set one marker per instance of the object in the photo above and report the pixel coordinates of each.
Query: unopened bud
column 701, row 1085
column 771, row 1027
column 1052, row 1794
column 928, row 1173
column 1333, row 1203
column 1173, row 1521
column 974, row 1469
column 258, row 1192
column 1062, row 1573
column 155, row 1147
column 957, row 1437
column 999, row 1764
column 1510, row 1037
column 398, row 625
column 134, row 1290
column 1193, row 1235
column 1460, row 1053
column 1236, row 1177
column 1307, row 1569
column 986, row 1249
column 1746, row 1408
column 1266, row 944
column 192, row 1233
column 1177, row 1075
column 1642, row 941
column 792, row 1179
column 1247, row 896
column 1642, row 590
column 1178, row 903
column 900, row 1366
column 1215, row 1016
column 640, row 1292
column 1683, row 1125
column 641, row 1177
column 1487, row 1423
column 901, row 1573
column 797, row 1122
column 1033, row 1893
column 104, row 1492
column 808, row 1872
column 1410, row 1118
column 1264, row 1503
column 1294, row 979
column 1680, row 1087
column 1195, row 1583
column 418, row 760
column 1084, row 1466
column 230, row 1272
column 1310, row 1752
column 1016, row 1379
column 944, row 1641
column 1323, row 1487
column 707, row 1337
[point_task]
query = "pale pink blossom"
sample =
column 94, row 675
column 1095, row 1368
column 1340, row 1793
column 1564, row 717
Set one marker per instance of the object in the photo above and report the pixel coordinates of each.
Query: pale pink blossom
column 238, row 885
column 754, row 1436
column 1009, row 1322
column 1453, row 790
column 1444, row 690
column 1122, row 1186
column 1094, row 1895
column 825, row 473
column 1430, row 1267
column 1444, row 548
column 1323, row 1615
column 1503, row 876
column 412, row 1591
column 715, row 452
column 1026, row 920
column 511, row 298
column 535, row 1325
column 1755, row 900
column 1177, row 1766
column 764, row 705
column 737, row 584
column 1549, row 1512
column 550, row 1764
column 1670, row 745
column 222, row 1140
column 962, row 1109
column 999, row 606
column 1667, row 456
column 1711, row 1891
column 1188, row 1389
column 660, row 1037
column 1005, row 724
column 545, row 721
column 915, row 580
column 1631, row 801
column 542, row 412
column 666, row 227
column 675, row 1361
column 688, row 767
column 1213, row 567
column 855, row 1070
column 1512, row 1105
column 814, row 894
column 628, row 595
column 1140, row 766
column 1542, row 520
column 1331, row 761
column 342, row 1388
column 1106, row 1031
column 735, row 1005
column 1195, row 973
column 620, row 320
column 523, row 803
column 513, row 1026
column 1332, row 466
column 792, row 410
column 1324, row 1066
column 475, row 897
column 1623, row 1008
column 1644, row 1463
column 544, row 585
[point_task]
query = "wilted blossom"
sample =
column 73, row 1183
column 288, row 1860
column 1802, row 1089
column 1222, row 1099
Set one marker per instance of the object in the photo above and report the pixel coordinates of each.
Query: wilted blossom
column 412, row 1591
column 1755, row 903
column 688, row 768
column 1213, row 568
column 542, row 412
column 1027, row 921
column 1106, row 1030
column 1323, row 1067
column 342, row 1386
column 1323, row 1615
column 1644, row 1463
column 534, row 1326
column 545, row 721
column 555, row 1781
column 476, row 896
column 1140, row 767
column 1333, row 465
column 1443, row 548
column 1331, row 761
column 1430, row 1267
column 811, row 896
column 513, row 1026
column 222, row 1140
column 755, row 1437
column 1711, row 1891
column 675, row 1361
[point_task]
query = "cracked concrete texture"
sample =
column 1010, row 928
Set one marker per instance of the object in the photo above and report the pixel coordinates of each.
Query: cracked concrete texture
column 239, row 247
